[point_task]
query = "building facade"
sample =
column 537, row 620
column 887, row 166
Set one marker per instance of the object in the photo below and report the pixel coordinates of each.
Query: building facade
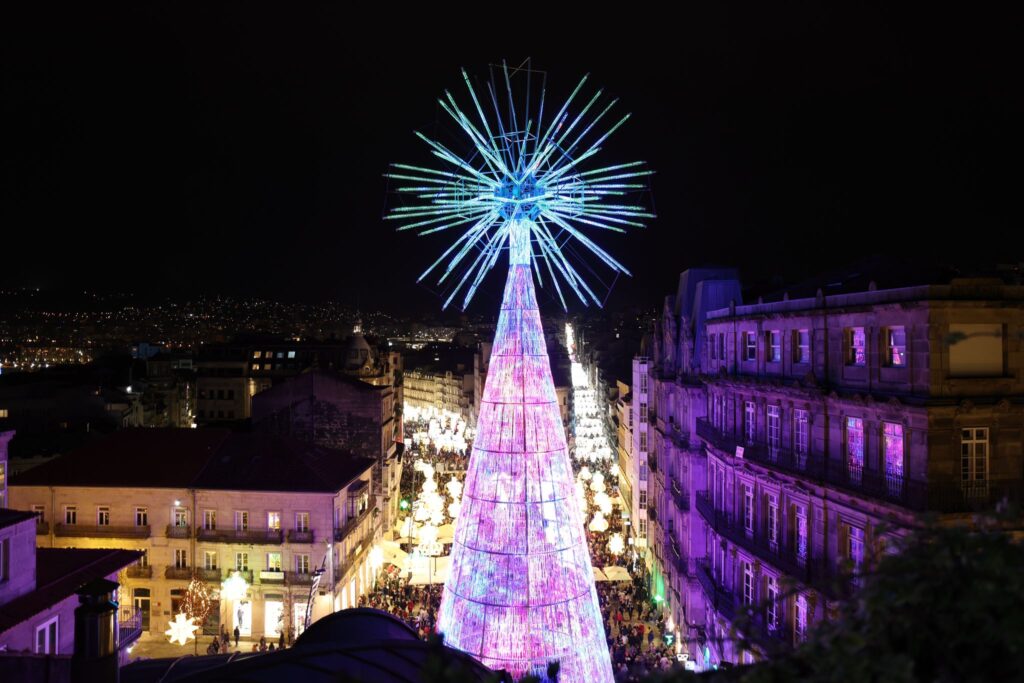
column 792, row 433
column 211, row 503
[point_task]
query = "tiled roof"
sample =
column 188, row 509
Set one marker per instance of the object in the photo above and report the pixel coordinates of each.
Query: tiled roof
column 59, row 573
column 200, row 459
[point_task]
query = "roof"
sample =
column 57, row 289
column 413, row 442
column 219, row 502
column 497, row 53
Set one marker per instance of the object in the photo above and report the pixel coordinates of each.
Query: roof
column 351, row 645
column 10, row 517
column 60, row 572
column 200, row 459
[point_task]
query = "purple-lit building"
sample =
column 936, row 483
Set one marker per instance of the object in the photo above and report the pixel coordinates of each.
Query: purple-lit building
column 785, row 435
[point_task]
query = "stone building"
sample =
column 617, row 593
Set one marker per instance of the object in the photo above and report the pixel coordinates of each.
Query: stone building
column 210, row 503
column 789, row 434
column 339, row 411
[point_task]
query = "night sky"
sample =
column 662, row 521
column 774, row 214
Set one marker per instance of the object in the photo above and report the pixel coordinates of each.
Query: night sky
column 182, row 150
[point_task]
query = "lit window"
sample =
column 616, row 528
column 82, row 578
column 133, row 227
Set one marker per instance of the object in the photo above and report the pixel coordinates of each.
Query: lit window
column 242, row 562
column 241, row 520
column 257, row 354
column 302, row 521
column 748, row 583
column 801, row 425
column 802, row 346
column 748, row 508
column 895, row 346
column 974, row 461
column 274, row 521
column 3, row 413
column 856, row 346
column 774, row 429
column 180, row 517
column 291, row 354
column 774, row 346
column 180, row 558
column 46, row 638
column 749, row 422
column 255, row 366
column 892, row 444
column 750, row 346
column 302, row 563
column 855, row 448
column 274, row 562
column 855, row 546
column 209, row 520
column 210, row 560
column 267, row 366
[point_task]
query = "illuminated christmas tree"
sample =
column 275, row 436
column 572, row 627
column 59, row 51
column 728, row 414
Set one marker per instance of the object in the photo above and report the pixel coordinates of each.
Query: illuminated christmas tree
column 521, row 590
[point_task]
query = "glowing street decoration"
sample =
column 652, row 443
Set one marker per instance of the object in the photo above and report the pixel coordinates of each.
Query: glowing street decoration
column 181, row 629
column 520, row 593
column 234, row 587
column 616, row 546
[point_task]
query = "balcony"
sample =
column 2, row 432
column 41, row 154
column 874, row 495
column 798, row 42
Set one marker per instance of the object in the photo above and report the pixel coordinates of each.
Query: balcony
column 179, row 531
column 42, row 528
column 681, row 497
column 209, row 575
column 129, row 628
column 300, row 579
column 296, row 536
column 352, row 524
column 249, row 536
column 140, row 571
column 720, row 598
column 859, row 481
column 178, row 573
column 100, row 531
column 271, row 576
column 819, row 573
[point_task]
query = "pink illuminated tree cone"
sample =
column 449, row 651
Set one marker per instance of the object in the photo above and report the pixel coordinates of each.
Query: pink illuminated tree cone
column 521, row 590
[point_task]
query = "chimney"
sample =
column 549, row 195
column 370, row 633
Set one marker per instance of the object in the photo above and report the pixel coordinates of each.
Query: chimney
column 95, row 657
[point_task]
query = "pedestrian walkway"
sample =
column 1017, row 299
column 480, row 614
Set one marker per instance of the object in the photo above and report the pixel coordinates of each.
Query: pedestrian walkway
column 156, row 646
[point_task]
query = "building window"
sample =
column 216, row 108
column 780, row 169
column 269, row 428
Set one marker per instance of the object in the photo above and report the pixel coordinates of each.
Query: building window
column 242, row 562
column 40, row 512
column 210, row 520
column 302, row 521
column 892, row 444
column 302, row 563
column 47, row 637
column 4, row 412
column 273, row 521
column 800, row 618
column 642, row 466
column 103, row 515
column 974, row 461
column 748, row 583
column 896, row 346
column 749, row 422
column 748, row 508
column 801, row 429
column 773, row 520
column 144, row 560
column 256, row 366
column 210, row 560
column 855, row 448
column 749, row 346
column 273, row 562
column 180, row 558
column 180, row 518
column 643, row 381
column 802, row 346
column 643, row 499
column 642, row 527
column 718, row 412
column 177, row 599
column 713, row 346
column 721, row 346
column 856, row 346
column 800, row 531
column 643, row 413
column 771, row 585
column 291, row 354
column 241, row 520
column 774, row 346
column 774, row 429
column 855, row 546
column 257, row 354
column 71, row 514
column 643, row 441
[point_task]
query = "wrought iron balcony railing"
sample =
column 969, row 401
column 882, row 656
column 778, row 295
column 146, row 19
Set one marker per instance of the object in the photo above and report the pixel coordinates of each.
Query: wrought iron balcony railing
column 100, row 531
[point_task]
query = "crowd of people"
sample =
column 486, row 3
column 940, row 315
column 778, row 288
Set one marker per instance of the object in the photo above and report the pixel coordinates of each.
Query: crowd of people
column 415, row 605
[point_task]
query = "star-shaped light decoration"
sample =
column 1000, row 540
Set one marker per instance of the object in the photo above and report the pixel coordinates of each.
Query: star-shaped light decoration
column 182, row 629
